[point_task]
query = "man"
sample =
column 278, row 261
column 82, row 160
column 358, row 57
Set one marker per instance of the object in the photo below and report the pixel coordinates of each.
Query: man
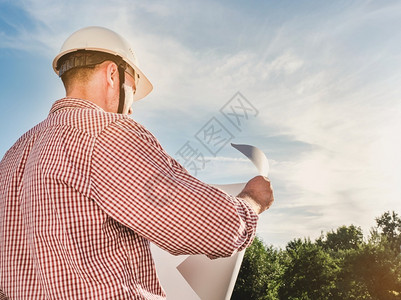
column 84, row 192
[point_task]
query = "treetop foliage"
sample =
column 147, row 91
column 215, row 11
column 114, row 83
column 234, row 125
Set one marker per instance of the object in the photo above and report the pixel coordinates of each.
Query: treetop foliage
column 340, row 264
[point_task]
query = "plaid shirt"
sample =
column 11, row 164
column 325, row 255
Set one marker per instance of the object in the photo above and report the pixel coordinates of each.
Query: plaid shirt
column 83, row 193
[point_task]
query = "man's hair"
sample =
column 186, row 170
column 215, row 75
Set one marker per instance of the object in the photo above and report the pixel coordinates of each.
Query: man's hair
column 78, row 74
column 79, row 66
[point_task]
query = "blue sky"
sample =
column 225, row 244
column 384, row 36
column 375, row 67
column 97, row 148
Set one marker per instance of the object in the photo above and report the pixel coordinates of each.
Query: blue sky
column 323, row 76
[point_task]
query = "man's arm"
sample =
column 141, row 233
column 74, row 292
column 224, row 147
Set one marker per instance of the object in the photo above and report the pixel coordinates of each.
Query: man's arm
column 139, row 185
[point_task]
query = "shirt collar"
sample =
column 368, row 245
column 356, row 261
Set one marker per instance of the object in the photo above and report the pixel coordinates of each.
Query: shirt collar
column 71, row 103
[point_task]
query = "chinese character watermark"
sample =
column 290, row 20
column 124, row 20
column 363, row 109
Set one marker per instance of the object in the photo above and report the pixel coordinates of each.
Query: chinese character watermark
column 191, row 158
column 238, row 110
column 214, row 135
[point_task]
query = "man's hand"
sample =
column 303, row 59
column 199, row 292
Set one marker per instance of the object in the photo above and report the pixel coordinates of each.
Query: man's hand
column 258, row 192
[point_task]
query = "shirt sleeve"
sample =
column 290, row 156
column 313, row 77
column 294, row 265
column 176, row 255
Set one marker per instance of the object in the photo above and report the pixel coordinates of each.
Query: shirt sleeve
column 139, row 185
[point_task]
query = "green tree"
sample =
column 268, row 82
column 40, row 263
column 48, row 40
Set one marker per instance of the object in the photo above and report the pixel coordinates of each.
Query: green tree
column 260, row 273
column 389, row 228
column 371, row 272
column 342, row 244
column 344, row 238
column 310, row 272
column 338, row 265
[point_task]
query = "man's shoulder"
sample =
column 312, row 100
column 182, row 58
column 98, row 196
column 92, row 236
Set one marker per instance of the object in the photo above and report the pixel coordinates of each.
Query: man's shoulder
column 81, row 115
column 84, row 116
column 127, row 126
column 127, row 131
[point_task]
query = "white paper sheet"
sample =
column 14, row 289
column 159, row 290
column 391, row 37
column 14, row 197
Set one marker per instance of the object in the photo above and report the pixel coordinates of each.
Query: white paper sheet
column 194, row 277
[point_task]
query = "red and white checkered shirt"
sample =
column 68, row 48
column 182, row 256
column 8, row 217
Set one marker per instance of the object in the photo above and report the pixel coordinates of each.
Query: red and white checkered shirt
column 84, row 192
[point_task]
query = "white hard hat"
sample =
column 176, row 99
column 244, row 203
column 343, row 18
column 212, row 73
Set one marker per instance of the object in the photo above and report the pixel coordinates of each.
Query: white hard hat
column 105, row 40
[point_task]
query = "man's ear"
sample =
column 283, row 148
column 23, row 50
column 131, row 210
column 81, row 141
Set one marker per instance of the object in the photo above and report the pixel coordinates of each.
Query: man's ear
column 112, row 74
